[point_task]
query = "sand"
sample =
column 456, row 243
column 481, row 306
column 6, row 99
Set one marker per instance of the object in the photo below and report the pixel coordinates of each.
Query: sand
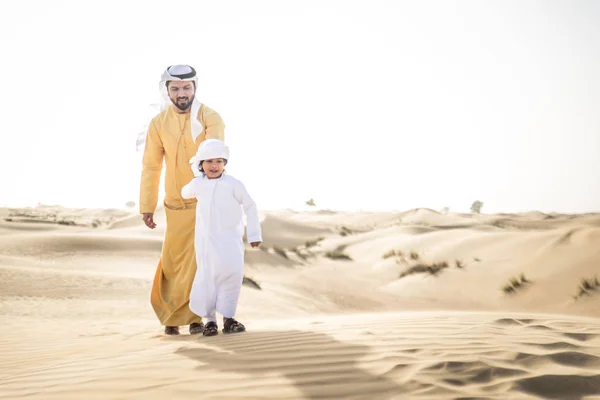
column 406, row 305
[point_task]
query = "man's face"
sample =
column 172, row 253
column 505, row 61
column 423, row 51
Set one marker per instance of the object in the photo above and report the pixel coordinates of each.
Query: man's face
column 213, row 168
column 181, row 94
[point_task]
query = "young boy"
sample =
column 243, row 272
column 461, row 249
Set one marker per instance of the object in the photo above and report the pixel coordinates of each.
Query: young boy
column 219, row 237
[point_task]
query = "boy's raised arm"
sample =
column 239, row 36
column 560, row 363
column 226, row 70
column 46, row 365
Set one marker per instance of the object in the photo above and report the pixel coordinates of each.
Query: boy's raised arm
column 189, row 190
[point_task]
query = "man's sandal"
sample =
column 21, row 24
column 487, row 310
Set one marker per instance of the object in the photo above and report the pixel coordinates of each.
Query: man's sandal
column 210, row 329
column 171, row 330
column 196, row 327
column 233, row 326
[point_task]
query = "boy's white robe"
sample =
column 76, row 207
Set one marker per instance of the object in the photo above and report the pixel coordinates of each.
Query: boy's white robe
column 219, row 242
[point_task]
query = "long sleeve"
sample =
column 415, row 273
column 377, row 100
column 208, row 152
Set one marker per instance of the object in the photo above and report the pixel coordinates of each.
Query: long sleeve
column 152, row 163
column 189, row 191
column 214, row 125
column 253, row 229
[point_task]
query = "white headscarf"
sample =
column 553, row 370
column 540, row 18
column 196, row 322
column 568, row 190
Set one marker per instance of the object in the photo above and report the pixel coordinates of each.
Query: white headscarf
column 208, row 150
column 178, row 72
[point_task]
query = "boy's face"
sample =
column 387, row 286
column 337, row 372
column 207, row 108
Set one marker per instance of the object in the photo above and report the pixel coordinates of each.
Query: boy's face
column 213, row 168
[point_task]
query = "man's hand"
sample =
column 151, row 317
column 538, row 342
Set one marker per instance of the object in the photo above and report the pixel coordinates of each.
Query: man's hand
column 149, row 220
column 255, row 244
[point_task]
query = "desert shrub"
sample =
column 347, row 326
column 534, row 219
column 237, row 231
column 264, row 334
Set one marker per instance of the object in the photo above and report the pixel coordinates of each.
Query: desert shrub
column 345, row 231
column 587, row 286
column 280, row 251
column 389, row 254
column 300, row 254
column 338, row 254
column 476, row 207
column 515, row 284
column 432, row 269
column 311, row 243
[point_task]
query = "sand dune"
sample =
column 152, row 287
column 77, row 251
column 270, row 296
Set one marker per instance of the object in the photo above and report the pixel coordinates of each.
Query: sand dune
column 420, row 356
column 133, row 222
column 335, row 220
column 347, row 305
column 284, row 233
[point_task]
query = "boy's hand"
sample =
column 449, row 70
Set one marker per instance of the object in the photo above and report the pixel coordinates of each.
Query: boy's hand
column 255, row 244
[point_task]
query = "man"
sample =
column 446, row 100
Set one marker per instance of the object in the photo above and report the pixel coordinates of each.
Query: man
column 174, row 136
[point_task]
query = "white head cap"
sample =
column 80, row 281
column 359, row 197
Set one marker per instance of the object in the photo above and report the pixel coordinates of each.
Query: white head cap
column 208, row 150
column 178, row 72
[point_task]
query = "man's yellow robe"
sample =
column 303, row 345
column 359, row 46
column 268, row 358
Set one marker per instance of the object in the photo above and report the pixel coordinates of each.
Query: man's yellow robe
column 169, row 139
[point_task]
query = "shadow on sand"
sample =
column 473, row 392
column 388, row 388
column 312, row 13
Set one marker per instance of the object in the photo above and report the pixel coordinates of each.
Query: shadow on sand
column 318, row 365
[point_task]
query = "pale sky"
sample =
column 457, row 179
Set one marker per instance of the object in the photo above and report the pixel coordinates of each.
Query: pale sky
column 372, row 105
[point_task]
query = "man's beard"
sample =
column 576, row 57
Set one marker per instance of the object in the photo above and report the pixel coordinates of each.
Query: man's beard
column 183, row 103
